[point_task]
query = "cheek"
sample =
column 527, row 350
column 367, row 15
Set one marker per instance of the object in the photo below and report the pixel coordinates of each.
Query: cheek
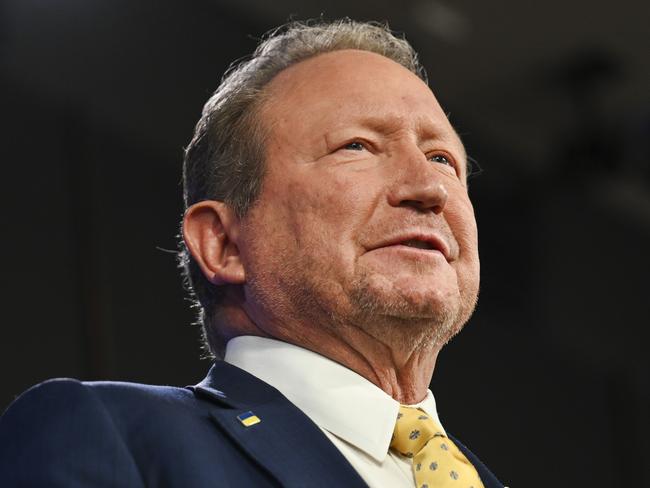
column 323, row 207
column 462, row 221
column 463, row 224
column 467, row 238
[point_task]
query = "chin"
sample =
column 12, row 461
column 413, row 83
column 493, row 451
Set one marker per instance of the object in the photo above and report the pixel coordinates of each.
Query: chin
column 406, row 298
column 411, row 305
column 419, row 315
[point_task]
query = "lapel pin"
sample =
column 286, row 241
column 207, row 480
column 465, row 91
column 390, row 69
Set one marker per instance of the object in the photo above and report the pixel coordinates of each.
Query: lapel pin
column 248, row 418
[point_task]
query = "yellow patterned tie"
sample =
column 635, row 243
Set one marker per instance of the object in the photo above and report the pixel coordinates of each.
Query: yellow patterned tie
column 437, row 462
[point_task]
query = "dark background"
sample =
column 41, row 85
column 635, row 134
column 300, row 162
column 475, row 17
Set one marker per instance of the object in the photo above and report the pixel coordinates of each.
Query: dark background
column 549, row 383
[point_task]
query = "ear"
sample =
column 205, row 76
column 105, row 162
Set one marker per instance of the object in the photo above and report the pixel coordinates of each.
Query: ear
column 210, row 231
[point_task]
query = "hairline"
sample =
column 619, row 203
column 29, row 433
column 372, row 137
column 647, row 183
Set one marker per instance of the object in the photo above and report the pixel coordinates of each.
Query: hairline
column 265, row 100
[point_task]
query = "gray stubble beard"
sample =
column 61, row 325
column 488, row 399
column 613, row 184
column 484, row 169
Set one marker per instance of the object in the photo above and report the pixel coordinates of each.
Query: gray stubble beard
column 396, row 322
column 404, row 324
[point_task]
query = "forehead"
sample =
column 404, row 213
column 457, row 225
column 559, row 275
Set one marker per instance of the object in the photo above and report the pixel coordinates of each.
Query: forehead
column 340, row 87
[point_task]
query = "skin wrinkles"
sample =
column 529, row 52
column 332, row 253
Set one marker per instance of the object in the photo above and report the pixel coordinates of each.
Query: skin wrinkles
column 391, row 127
column 308, row 247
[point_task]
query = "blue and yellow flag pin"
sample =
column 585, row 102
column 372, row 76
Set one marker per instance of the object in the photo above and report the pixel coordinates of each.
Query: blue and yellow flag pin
column 248, row 418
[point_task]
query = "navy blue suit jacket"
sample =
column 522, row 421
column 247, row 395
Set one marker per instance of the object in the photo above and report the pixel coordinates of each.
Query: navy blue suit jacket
column 65, row 433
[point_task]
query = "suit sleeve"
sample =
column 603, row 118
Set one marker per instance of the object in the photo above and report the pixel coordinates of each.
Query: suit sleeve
column 59, row 434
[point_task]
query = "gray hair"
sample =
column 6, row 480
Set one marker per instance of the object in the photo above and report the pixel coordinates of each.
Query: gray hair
column 225, row 158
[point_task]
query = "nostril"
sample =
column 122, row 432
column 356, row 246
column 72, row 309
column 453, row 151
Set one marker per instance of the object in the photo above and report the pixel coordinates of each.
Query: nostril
column 425, row 205
column 424, row 195
column 418, row 205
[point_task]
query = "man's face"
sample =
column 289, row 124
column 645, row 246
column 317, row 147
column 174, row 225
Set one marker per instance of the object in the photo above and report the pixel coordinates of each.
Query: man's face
column 364, row 218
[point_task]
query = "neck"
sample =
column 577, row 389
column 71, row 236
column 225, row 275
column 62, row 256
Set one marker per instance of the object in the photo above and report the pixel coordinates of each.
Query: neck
column 398, row 358
column 400, row 366
column 402, row 370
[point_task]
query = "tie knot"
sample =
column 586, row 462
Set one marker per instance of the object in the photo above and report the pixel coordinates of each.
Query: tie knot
column 413, row 429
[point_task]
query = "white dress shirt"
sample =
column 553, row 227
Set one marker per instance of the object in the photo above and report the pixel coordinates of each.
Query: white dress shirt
column 357, row 416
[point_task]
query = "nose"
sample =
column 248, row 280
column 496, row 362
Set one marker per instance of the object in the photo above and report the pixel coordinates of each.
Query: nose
column 418, row 186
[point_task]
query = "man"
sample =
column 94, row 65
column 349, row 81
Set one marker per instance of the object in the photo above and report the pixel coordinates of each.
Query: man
column 331, row 242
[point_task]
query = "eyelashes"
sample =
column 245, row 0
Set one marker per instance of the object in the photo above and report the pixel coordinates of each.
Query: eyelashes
column 440, row 158
column 437, row 157
column 355, row 146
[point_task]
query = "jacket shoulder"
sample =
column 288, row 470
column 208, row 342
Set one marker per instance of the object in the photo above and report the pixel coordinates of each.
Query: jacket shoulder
column 66, row 397
column 50, row 435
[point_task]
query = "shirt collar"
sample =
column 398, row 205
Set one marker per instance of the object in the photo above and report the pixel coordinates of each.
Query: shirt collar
column 336, row 398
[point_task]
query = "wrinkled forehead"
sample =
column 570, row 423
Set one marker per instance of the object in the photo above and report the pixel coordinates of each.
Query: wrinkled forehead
column 330, row 90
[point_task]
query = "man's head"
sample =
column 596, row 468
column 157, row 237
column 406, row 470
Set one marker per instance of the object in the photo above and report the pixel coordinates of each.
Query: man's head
column 340, row 194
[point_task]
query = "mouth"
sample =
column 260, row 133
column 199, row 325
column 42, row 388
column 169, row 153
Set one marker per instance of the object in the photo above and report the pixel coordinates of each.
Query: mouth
column 419, row 241
column 419, row 244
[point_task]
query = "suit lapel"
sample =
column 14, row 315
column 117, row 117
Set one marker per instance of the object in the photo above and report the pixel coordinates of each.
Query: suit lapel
column 285, row 442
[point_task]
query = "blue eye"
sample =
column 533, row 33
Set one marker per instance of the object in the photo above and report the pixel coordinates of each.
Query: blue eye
column 355, row 146
column 439, row 158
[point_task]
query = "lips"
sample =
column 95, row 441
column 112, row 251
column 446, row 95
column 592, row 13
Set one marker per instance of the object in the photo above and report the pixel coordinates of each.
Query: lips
column 418, row 240
column 418, row 244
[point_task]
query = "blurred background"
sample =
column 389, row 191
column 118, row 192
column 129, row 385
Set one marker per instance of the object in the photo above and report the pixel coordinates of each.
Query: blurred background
column 550, row 381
